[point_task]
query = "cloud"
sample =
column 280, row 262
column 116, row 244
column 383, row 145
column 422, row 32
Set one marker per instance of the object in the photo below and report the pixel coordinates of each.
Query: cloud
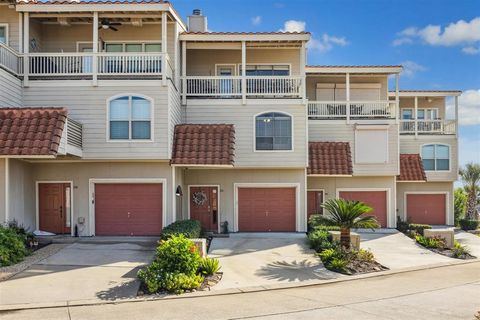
column 293, row 26
column 471, row 50
column 468, row 108
column 410, row 68
column 323, row 44
column 257, row 20
column 461, row 33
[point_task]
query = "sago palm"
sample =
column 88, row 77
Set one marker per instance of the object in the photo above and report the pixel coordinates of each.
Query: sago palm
column 471, row 179
column 347, row 215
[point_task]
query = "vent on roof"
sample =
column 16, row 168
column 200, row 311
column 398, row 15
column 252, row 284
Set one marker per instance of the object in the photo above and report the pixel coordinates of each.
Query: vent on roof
column 197, row 22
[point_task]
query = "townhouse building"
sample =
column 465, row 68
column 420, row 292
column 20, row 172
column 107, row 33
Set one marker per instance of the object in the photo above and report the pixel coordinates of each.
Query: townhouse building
column 117, row 118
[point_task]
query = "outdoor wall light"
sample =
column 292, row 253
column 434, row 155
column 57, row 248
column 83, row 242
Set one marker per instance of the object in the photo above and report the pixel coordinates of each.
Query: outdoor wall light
column 179, row 191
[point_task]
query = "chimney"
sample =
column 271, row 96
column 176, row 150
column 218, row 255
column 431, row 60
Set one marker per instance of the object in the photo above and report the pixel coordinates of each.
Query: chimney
column 197, row 22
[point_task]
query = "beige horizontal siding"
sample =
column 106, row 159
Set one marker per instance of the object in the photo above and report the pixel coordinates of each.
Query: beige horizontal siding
column 10, row 90
column 410, row 144
column 21, row 189
column 340, row 132
column 2, row 190
column 10, row 16
column 242, row 117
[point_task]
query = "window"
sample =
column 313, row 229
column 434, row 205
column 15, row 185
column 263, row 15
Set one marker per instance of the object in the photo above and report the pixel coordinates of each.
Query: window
column 407, row 114
column 4, row 33
column 130, row 118
column 436, row 157
column 266, row 70
column 273, row 131
column 133, row 47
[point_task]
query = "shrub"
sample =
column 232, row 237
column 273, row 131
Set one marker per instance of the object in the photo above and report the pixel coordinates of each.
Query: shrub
column 327, row 255
column 209, row 266
column 418, row 228
column 469, row 224
column 402, row 226
column 365, row 255
column 174, row 268
column 431, row 242
column 459, row 251
column 317, row 221
column 337, row 264
column 319, row 239
column 12, row 246
column 189, row 228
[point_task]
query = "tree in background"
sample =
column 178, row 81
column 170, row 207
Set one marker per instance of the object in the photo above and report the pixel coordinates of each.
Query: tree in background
column 460, row 204
column 471, row 179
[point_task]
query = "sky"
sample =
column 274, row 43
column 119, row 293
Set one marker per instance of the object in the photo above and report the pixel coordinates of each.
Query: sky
column 437, row 42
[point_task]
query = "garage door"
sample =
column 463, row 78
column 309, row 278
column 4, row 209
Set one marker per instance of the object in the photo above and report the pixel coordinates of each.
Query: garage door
column 128, row 209
column 266, row 209
column 426, row 208
column 375, row 199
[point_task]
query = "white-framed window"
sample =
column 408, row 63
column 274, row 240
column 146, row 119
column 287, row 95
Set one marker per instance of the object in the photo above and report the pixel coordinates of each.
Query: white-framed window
column 4, row 33
column 436, row 157
column 130, row 118
column 266, row 70
column 422, row 114
column 273, row 131
column 133, row 47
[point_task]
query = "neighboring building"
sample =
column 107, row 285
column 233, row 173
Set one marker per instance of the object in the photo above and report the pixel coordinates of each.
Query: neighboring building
column 117, row 119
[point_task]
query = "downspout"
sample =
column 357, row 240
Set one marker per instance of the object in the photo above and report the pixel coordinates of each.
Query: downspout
column 7, row 186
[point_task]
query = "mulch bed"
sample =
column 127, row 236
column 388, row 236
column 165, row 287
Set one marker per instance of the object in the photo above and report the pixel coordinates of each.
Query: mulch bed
column 207, row 283
column 359, row 267
column 449, row 253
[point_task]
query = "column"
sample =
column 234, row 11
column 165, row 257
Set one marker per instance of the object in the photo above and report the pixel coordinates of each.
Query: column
column 397, row 101
column 347, row 94
column 415, row 117
column 456, row 117
column 184, row 72
column 26, row 47
column 176, row 56
column 303, row 83
column 95, row 49
column 164, row 48
column 244, row 72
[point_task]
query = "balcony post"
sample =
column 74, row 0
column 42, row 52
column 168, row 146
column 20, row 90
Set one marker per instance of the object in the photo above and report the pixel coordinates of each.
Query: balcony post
column 26, row 47
column 164, row 48
column 302, row 72
column 176, row 55
column 456, row 116
column 415, row 117
column 397, row 99
column 184, row 72
column 244, row 72
column 347, row 94
column 95, row 49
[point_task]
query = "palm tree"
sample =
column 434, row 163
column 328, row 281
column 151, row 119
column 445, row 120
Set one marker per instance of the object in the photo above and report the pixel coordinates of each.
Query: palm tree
column 471, row 179
column 347, row 215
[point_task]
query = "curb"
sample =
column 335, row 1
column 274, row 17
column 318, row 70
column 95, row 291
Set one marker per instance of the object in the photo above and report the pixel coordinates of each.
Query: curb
column 202, row 294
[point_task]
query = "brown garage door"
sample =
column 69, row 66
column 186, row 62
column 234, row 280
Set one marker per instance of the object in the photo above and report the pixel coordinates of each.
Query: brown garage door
column 266, row 209
column 375, row 199
column 426, row 208
column 128, row 209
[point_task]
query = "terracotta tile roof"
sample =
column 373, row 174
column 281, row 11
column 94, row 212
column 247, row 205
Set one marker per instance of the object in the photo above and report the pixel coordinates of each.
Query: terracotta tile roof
column 245, row 33
column 204, row 144
column 411, row 168
column 31, row 131
column 329, row 158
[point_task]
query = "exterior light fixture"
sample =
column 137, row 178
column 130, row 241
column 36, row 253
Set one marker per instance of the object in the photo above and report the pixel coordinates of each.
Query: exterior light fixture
column 179, row 191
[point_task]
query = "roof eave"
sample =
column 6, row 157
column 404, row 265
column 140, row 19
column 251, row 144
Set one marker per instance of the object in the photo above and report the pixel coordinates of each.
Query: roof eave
column 353, row 69
column 425, row 93
column 84, row 7
column 244, row 37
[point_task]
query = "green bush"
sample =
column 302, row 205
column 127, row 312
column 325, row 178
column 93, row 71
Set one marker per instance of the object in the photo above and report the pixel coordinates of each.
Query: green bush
column 459, row 251
column 418, row 228
column 431, row 242
column 319, row 239
column 337, row 264
column 402, row 226
column 469, row 224
column 209, row 266
column 12, row 246
column 174, row 268
column 365, row 255
column 316, row 221
column 189, row 228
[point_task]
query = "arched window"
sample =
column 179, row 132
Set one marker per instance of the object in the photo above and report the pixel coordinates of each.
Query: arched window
column 436, row 157
column 130, row 118
column 273, row 131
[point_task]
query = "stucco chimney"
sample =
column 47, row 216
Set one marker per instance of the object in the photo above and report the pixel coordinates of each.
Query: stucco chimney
column 197, row 22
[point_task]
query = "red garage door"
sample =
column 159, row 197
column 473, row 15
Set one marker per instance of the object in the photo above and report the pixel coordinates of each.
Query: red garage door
column 426, row 208
column 266, row 209
column 128, row 209
column 375, row 199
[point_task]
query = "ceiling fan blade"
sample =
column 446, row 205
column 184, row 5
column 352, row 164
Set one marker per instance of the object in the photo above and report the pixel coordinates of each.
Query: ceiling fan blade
column 113, row 28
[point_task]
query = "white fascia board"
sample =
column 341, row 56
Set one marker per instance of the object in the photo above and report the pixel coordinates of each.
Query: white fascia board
column 244, row 37
column 112, row 7
column 412, row 94
column 367, row 70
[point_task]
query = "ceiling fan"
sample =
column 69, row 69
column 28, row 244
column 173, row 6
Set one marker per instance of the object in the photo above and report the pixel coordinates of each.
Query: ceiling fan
column 106, row 24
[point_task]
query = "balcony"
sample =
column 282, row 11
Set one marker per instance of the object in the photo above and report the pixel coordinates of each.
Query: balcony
column 11, row 60
column 424, row 127
column 71, row 142
column 346, row 110
column 235, row 87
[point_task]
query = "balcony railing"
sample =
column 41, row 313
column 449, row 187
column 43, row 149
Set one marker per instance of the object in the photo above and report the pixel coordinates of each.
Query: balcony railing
column 232, row 86
column 339, row 110
column 427, row 127
column 10, row 60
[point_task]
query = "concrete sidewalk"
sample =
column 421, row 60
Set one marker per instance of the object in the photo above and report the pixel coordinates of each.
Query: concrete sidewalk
column 472, row 242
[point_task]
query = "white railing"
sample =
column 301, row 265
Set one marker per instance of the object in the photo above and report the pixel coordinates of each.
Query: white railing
column 231, row 86
column 428, row 127
column 60, row 64
column 357, row 109
column 130, row 63
column 11, row 60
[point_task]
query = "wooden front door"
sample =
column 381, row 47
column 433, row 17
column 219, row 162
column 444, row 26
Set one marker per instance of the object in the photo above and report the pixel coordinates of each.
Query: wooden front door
column 204, row 207
column 54, row 207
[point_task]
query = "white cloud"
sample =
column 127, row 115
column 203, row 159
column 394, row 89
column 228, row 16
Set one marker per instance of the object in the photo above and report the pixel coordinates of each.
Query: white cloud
column 460, row 33
column 257, row 20
column 325, row 43
column 471, row 50
column 410, row 68
column 293, row 26
column 468, row 108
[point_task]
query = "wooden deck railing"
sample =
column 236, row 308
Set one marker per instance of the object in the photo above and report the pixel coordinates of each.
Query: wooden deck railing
column 427, row 127
column 331, row 110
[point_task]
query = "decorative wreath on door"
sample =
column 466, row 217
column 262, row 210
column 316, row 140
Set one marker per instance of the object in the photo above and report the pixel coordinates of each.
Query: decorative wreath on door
column 199, row 198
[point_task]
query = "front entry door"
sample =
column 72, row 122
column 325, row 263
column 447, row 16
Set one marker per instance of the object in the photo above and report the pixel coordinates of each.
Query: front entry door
column 54, row 207
column 204, row 207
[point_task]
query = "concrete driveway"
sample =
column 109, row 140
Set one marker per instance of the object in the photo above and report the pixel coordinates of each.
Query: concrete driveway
column 80, row 271
column 258, row 259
